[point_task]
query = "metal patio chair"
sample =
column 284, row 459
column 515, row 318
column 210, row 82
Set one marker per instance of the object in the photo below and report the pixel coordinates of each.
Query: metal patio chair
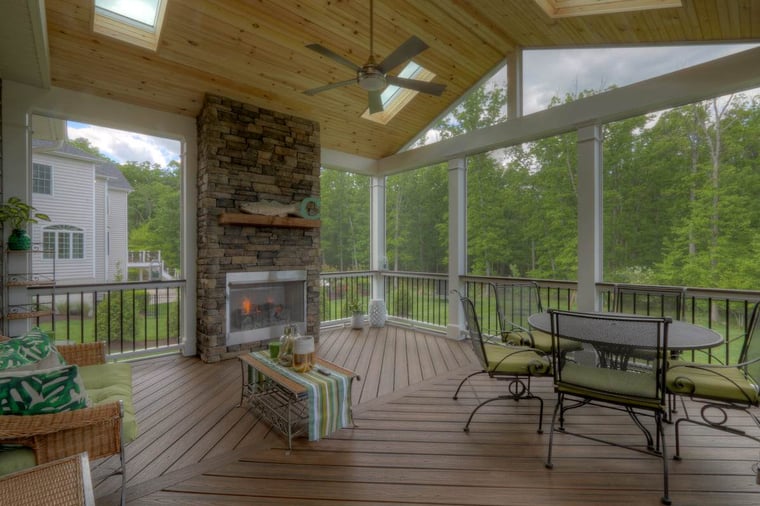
column 721, row 389
column 515, row 302
column 514, row 364
column 606, row 380
column 650, row 300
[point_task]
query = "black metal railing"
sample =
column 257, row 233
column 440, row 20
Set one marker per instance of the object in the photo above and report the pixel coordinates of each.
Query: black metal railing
column 139, row 317
column 130, row 317
column 416, row 298
column 337, row 291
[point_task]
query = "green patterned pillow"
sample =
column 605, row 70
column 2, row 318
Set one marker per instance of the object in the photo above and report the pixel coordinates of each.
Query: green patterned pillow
column 41, row 391
column 34, row 350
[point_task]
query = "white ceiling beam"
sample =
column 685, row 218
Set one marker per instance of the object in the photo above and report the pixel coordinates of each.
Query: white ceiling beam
column 734, row 73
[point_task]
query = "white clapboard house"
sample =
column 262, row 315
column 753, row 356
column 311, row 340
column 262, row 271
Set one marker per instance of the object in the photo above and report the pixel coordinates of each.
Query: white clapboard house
column 86, row 199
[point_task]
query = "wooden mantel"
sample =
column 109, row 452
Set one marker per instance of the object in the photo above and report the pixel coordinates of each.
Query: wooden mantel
column 266, row 221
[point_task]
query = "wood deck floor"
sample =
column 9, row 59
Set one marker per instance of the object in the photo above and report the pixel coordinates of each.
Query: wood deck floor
column 196, row 448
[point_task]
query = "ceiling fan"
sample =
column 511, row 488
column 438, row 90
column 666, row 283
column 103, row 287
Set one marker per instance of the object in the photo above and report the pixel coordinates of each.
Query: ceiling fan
column 373, row 76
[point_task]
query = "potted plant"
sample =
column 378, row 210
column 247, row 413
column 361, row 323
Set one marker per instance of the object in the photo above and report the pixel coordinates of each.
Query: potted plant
column 19, row 214
column 357, row 314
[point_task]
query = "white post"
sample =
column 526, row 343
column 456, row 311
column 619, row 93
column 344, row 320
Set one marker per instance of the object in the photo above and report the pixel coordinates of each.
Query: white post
column 457, row 243
column 378, row 259
column 589, row 216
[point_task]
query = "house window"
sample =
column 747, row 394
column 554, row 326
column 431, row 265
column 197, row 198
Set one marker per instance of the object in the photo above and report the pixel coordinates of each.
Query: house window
column 42, row 179
column 63, row 242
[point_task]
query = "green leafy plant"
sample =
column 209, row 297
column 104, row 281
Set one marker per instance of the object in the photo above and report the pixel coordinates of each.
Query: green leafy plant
column 354, row 306
column 18, row 213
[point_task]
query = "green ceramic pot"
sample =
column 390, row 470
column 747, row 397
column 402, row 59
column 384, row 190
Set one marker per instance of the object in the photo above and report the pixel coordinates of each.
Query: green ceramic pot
column 19, row 240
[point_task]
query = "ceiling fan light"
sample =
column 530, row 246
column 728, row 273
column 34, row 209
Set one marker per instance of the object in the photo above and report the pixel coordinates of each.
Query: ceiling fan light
column 372, row 82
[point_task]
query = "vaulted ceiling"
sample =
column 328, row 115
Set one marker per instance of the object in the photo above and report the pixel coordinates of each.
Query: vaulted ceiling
column 254, row 51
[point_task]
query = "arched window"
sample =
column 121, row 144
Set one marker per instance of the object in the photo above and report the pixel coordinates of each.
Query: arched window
column 63, row 242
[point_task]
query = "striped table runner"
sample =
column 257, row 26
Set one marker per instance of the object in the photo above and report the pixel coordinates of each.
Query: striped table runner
column 329, row 397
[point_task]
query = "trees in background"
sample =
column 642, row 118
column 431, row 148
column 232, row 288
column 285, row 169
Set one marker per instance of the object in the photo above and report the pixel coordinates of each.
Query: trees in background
column 154, row 209
column 344, row 213
column 680, row 200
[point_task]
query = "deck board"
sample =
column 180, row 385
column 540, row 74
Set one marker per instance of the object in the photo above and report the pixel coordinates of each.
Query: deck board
column 408, row 446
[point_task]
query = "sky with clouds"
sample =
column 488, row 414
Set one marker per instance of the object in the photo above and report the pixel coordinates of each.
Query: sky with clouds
column 548, row 73
column 124, row 146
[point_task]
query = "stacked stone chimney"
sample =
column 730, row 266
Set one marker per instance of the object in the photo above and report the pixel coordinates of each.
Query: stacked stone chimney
column 248, row 154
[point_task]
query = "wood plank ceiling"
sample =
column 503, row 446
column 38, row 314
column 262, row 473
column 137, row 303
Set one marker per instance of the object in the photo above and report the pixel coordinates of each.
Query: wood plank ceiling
column 254, row 51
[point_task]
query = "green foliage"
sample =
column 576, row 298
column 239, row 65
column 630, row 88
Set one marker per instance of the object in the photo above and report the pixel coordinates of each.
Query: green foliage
column 345, row 221
column 354, row 306
column 679, row 192
column 74, row 309
column 19, row 214
column 154, row 207
column 116, row 313
column 401, row 302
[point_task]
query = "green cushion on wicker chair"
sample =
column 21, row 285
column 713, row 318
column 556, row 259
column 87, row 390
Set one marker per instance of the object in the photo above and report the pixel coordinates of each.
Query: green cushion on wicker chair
column 15, row 458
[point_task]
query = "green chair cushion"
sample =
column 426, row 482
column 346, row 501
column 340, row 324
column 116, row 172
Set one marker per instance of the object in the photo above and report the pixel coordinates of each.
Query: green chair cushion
column 516, row 360
column 111, row 382
column 43, row 391
column 543, row 342
column 613, row 385
column 711, row 382
column 15, row 458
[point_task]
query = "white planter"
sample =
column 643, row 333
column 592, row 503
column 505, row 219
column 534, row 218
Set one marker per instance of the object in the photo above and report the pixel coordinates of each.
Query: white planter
column 357, row 320
column 377, row 313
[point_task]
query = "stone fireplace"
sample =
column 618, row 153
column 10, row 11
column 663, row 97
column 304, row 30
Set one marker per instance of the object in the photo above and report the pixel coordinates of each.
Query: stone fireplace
column 248, row 154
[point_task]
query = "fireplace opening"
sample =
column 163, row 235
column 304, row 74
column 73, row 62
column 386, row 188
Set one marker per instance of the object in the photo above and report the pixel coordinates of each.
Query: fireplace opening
column 261, row 304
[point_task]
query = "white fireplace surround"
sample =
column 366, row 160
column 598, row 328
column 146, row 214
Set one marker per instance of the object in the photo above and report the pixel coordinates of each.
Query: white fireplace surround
column 260, row 304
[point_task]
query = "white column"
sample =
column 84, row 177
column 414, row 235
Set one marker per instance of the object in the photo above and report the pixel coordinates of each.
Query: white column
column 589, row 216
column 457, row 243
column 378, row 261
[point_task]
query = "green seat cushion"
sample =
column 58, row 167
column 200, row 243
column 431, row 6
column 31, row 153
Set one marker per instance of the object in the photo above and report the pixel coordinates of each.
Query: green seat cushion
column 34, row 350
column 112, row 382
column 614, row 385
column 543, row 342
column 516, row 360
column 711, row 382
column 43, row 391
column 15, row 458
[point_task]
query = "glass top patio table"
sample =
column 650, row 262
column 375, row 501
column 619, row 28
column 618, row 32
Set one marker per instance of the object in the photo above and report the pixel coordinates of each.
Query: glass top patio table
column 681, row 335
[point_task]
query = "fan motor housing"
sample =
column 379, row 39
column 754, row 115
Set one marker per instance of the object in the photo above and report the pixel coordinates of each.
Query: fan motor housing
column 370, row 78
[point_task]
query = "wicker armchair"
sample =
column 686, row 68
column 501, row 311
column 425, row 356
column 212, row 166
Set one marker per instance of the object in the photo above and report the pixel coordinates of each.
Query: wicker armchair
column 96, row 430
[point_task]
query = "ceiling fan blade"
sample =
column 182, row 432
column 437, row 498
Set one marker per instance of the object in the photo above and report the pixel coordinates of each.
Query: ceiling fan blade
column 375, row 102
column 412, row 84
column 404, row 52
column 330, row 86
column 333, row 56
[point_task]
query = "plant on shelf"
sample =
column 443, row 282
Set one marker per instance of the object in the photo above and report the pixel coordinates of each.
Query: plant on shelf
column 357, row 314
column 19, row 214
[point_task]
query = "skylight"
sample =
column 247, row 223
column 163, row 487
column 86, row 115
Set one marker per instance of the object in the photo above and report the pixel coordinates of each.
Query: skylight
column 395, row 98
column 569, row 8
column 136, row 22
